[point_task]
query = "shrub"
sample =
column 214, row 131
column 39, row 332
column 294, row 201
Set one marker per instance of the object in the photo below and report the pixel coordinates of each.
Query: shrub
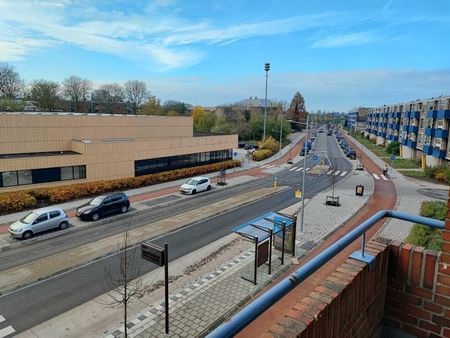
column 270, row 143
column 393, row 148
column 23, row 200
column 423, row 235
column 261, row 154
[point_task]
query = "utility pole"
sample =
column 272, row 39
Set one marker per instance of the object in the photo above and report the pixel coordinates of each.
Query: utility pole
column 266, row 68
column 304, row 174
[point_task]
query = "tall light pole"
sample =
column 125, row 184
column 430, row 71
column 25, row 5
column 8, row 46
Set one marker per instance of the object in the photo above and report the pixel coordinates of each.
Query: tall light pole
column 266, row 68
column 281, row 130
column 304, row 173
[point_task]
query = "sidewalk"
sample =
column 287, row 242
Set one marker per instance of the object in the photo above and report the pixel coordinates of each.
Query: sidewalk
column 409, row 199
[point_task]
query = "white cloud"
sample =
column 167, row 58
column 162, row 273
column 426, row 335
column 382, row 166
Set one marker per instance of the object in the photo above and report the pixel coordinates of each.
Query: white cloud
column 345, row 40
column 334, row 91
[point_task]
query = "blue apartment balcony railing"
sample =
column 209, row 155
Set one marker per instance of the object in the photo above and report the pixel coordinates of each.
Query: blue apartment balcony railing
column 391, row 126
column 431, row 114
column 404, row 142
column 374, row 131
column 427, row 150
column 384, row 124
column 413, row 129
column 385, row 115
column 441, row 133
column 413, row 114
column 395, row 115
column 438, row 153
column 411, row 144
column 392, row 138
column 443, row 114
column 396, row 126
column 382, row 134
column 430, row 132
column 405, row 128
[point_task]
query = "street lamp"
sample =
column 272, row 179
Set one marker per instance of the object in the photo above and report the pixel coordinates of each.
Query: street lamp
column 305, row 145
column 266, row 68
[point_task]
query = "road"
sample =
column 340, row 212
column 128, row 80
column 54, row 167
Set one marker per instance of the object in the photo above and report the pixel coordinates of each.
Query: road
column 38, row 302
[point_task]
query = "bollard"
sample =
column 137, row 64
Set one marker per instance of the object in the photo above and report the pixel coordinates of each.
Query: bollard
column 275, row 182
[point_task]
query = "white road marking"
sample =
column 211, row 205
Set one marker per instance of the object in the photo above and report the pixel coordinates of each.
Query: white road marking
column 6, row 331
column 384, row 177
column 337, row 173
column 376, row 176
column 292, row 169
column 307, row 169
column 300, row 169
column 328, row 173
column 270, row 166
column 2, row 319
column 343, row 173
column 265, row 165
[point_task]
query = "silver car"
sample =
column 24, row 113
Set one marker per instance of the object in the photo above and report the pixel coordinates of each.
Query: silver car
column 38, row 221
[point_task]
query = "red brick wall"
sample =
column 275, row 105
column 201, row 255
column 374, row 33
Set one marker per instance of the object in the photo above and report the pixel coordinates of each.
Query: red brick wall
column 349, row 303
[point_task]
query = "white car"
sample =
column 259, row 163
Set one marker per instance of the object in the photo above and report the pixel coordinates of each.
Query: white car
column 195, row 185
column 38, row 221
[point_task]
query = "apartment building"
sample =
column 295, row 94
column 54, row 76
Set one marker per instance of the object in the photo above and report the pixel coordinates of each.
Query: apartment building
column 357, row 118
column 421, row 127
column 58, row 148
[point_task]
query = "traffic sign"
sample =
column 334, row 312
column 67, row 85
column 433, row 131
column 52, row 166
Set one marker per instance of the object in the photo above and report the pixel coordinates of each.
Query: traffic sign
column 315, row 157
column 298, row 194
column 235, row 154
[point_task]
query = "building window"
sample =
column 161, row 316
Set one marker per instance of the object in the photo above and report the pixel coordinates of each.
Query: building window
column 43, row 175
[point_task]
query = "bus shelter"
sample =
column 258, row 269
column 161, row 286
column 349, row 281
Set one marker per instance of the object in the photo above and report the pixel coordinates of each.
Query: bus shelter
column 263, row 232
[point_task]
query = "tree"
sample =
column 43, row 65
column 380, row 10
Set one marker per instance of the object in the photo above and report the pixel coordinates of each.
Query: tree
column 11, row 105
column 76, row 89
column 221, row 126
column 11, row 85
column 197, row 115
column 108, row 96
column 297, row 111
column 172, row 113
column 180, row 107
column 151, row 107
column 125, row 284
column 45, row 94
column 135, row 92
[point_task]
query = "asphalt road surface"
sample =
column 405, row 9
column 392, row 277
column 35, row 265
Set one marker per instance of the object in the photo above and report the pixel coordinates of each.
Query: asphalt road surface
column 38, row 302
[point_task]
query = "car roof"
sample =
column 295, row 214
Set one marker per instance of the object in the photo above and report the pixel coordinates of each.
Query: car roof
column 200, row 177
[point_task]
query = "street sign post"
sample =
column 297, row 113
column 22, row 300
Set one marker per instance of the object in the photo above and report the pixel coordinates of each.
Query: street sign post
column 159, row 256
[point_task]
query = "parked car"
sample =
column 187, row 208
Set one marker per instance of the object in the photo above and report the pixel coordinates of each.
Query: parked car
column 195, row 185
column 302, row 151
column 38, row 221
column 351, row 154
column 103, row 205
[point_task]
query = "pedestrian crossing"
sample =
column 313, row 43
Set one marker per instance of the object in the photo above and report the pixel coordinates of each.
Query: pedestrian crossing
column 268, row 166
column 7, row 330
column 330, row 172
column 380, row 177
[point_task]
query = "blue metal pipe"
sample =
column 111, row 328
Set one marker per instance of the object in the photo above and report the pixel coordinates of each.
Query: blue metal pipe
column 261, row 304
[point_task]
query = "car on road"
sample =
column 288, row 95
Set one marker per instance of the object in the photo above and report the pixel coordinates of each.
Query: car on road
column 104, row 205
column 39, row 220
column 195, row 185
column 351, row 154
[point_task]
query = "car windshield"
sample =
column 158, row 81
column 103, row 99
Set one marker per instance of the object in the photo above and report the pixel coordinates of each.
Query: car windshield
column 192, row 182
column 30, row 218
column 96, row 201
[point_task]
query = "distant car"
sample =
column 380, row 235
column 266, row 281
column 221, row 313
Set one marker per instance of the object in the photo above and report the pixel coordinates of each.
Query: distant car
column 104, row 205
column 329, row 132
column 38, row 221
column 321, row 130
column 195, row 185
column 302, row 152
column 351, row 154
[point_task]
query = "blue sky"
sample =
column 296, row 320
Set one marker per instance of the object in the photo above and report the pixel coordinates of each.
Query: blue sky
column 339, row 54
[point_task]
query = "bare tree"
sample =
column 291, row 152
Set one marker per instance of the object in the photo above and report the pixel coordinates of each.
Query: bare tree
column 45, row 94
column 135, row 93
column 11, row 85
column 109, row 95
column 76, row 89
column 125, row 284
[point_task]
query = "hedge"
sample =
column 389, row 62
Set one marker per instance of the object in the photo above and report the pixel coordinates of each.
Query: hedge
column 16, row 201
column 261, row 154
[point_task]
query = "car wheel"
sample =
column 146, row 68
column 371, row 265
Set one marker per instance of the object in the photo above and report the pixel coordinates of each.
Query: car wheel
column 209, row 188
column 64, row 225
column 27, row 235
column 95, row 217
column 193, row 192
column 124, row 209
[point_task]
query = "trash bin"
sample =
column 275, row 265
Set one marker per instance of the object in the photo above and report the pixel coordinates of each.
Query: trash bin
column 359, row 190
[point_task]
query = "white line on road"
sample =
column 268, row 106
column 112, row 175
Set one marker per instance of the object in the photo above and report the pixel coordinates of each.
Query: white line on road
column 265, row 165
column 292, row 169
column 376, row 176
column 337, row 173
column 307, row 169
column 2, row 319
column 343, row 173
column 384, row 177
column 328, row 173
column 6, row 331
column 299, row 169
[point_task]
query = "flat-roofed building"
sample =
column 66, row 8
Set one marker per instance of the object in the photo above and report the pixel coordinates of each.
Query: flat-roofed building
column 56, row 148
column 421, row 127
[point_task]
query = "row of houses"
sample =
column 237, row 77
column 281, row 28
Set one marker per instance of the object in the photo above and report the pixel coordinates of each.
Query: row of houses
column 421, row 127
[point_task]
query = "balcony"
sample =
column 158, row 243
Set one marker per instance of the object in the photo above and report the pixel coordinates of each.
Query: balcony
column 383, row 124
column 430, row 132
column 427, row 150
column 395, row 126
column 392, row 138
column 441, row 133
column 413, row 114
column 381, row 134
column 443, row 114
column 412, row 129
column 411, row 144
column 404, row 142
column 438, row 153
column 396, row 115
